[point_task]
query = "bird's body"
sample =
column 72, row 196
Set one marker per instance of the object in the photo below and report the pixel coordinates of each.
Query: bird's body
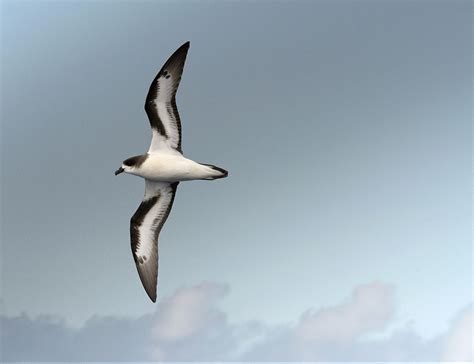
column 162, row 167
column 173, row 167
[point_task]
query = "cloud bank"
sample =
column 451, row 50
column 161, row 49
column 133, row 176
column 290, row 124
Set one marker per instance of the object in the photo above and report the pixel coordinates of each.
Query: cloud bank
column 458, row 345
column 189, row 326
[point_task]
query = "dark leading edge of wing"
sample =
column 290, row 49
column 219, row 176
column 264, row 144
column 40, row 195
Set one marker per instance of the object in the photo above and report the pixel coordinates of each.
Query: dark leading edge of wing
column 145, row 227
column 164, row 92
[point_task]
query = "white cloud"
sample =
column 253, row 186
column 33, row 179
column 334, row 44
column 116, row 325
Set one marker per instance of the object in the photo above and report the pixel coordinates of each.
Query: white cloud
column 369, row 308
column 187, row 311
column 189, row 326
column 458, row 346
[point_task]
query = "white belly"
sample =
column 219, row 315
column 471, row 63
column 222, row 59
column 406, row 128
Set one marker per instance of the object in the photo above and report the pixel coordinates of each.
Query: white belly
column 172, row 168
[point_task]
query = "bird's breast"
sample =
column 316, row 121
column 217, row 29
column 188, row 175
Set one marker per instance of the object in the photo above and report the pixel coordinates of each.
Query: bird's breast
column 169, row 168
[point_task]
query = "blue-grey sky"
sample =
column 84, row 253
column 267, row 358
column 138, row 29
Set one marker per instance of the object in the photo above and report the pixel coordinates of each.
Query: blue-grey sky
column 345, row 126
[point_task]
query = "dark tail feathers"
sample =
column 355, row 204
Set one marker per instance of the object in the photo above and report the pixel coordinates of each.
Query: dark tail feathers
column 223, row 174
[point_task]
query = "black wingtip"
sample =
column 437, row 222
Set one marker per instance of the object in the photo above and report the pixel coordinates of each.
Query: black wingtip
column 184, row 47
column 151, row 292
column 176, row 60
column 148, row 273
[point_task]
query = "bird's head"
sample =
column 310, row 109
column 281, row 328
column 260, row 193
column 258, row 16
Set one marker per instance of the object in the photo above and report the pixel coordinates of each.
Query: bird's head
column 131, row 164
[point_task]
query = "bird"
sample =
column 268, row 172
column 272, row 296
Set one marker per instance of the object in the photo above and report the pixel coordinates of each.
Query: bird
column 163, row 167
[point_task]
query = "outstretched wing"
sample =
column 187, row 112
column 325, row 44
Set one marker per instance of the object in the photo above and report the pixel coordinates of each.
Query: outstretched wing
column 145, row 227
column 160, row 104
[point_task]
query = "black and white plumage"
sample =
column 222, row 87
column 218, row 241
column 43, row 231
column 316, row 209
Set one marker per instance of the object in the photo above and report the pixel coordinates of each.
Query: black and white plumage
column 160, row 104
column 145, row 227
column 163, row 167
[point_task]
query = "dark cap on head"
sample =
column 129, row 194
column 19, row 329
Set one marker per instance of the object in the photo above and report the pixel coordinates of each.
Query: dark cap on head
column 135, row 161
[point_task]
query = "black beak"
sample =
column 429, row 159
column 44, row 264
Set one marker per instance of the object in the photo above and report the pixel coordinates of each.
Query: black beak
column 118, row 171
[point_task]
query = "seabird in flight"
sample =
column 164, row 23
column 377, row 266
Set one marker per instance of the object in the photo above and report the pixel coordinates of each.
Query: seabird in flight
column 162, row 167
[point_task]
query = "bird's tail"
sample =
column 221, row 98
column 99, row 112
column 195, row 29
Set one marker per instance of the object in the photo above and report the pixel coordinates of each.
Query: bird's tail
column 217, row 172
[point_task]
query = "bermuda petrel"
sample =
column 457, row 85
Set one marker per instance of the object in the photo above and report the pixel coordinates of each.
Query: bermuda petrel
column 162, row 167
